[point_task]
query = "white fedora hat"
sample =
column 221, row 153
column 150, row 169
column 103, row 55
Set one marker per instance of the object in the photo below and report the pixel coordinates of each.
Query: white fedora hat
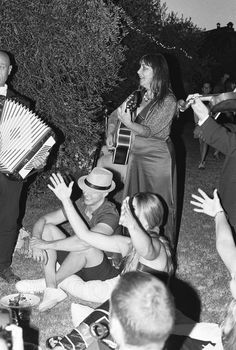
column 99, row 179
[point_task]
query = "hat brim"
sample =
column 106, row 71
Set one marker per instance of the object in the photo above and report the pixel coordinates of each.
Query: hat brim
column 83, row 185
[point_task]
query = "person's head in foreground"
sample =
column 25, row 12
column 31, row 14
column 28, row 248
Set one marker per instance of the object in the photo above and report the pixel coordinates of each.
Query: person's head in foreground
column 141, row 312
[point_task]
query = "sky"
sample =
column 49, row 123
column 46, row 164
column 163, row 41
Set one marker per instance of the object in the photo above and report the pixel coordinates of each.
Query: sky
column 205, row 13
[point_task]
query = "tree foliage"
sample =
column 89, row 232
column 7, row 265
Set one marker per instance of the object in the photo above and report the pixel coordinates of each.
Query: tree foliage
column 68, row 55
column 151, row 28
column 73, row 56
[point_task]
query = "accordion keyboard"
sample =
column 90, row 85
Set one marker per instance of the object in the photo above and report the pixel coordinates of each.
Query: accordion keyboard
column 26, row 168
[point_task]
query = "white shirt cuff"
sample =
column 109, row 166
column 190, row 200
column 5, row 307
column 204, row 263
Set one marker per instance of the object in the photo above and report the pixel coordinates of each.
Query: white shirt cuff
column 200, row 122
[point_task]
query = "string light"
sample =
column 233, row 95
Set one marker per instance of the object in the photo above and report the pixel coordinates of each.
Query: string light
column 132, row 26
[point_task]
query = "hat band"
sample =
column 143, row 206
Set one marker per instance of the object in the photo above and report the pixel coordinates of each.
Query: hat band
column 95, row 187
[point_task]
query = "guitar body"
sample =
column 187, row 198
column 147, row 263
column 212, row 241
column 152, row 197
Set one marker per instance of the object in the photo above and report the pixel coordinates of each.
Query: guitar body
column 123, row 134
column 123, row 144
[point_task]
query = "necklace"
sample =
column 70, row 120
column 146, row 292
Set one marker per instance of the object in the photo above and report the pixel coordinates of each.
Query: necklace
column 146, row 97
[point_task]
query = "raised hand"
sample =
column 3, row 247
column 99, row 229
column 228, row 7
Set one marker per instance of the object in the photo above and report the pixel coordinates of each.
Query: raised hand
column 205, row 204
column 59, row 187
column 126, row 218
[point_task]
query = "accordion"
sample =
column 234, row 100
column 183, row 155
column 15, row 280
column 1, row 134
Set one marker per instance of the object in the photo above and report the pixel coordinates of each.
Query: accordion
column 24, row 139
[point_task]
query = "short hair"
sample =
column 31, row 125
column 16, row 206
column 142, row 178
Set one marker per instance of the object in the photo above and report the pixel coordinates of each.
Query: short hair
column 144, row 307
column 161, row 78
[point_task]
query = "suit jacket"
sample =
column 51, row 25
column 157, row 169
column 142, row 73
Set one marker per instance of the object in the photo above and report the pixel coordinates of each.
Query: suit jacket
column 13, row 95
column 223, row 138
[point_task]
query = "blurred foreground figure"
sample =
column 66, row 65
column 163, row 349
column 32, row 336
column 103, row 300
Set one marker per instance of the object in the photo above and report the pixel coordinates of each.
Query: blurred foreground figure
column 141, row 312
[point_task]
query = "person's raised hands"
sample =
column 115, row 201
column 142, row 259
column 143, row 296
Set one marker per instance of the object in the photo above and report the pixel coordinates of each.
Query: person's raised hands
column 59, row 187
column 127, row 218
column 205, row 204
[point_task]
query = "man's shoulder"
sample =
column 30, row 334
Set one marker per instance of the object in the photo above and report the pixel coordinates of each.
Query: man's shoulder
column 108, row 206
column 107, row 214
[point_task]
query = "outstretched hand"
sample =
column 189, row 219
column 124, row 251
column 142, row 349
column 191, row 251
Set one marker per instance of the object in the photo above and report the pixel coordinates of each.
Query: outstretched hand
column 205, row 204
column 59, row 187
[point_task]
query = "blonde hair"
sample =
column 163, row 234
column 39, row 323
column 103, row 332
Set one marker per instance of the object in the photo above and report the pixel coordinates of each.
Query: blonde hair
column 144, row 307
column 152, row 209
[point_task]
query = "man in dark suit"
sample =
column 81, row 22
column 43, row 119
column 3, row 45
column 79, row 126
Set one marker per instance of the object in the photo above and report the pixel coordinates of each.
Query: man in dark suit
column 223, row 138
column 10, row 190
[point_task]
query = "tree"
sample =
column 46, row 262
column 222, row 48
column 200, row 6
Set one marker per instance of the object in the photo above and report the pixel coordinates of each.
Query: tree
column 68, row 54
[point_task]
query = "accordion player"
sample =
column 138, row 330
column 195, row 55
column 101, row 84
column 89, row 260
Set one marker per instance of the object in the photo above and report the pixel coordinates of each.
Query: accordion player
column 24, row 139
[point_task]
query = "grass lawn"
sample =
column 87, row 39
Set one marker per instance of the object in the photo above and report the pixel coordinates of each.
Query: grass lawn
column 198, row 263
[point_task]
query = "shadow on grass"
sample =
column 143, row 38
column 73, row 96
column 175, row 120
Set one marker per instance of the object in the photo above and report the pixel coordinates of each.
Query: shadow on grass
column 186, row 298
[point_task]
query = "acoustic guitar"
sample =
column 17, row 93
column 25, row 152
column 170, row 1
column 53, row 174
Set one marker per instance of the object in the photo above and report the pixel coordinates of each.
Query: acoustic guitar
column 123, row 134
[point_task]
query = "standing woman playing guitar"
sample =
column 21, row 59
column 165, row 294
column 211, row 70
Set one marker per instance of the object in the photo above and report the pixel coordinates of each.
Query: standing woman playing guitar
column 151, row 164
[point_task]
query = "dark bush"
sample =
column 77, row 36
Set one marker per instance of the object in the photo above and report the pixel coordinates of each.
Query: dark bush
column 68, row 55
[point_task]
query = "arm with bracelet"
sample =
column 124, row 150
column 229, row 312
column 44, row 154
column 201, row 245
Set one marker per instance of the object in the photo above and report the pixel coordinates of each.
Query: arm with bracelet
column 224, row 238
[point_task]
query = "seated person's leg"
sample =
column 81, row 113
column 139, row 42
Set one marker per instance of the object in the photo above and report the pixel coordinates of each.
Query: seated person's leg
column 90, row 264
column 70, row 263
column 96, row 291
column 51, row 233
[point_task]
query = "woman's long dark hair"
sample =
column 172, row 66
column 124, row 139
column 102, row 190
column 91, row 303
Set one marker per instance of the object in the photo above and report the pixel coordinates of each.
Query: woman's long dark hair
column 161, row 79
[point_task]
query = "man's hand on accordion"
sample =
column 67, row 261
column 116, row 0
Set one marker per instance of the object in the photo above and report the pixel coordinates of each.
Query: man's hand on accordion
column 61, row 190
column 40, row 161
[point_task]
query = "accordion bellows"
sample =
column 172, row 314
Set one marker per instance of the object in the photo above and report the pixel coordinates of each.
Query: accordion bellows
column 24, row 137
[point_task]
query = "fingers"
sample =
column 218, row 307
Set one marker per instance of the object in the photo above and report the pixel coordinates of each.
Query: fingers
column 45, row 257
column 51, row 188
column 192, row 97
column 199, row 199
column 215, row 194
column 203, row 197
column 56, row 179
column 198, row 210
column 71, row 185
column 197, row 204
column 203, row 194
